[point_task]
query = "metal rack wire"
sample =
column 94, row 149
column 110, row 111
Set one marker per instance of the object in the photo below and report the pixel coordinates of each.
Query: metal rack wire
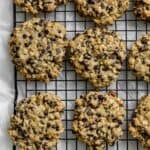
column 69, row 85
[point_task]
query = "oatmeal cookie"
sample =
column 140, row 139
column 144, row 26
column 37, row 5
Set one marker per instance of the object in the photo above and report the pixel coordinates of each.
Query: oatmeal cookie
column 139, row 58
column 102, row 11
column 97, row 55
column 98, row 118
column 142, row 9
column 139, row 127
column 37, row 48
column 37, row 123
column 36, row 6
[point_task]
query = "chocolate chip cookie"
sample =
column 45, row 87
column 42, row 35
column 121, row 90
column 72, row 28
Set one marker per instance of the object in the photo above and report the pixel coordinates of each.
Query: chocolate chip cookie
column 37, row 48
column 102, row 11
column 37, row 123
column 97, row 55
column 36, row 6
column 139, row 126
column 98, row 118
column 139, row 58
column 142, row 9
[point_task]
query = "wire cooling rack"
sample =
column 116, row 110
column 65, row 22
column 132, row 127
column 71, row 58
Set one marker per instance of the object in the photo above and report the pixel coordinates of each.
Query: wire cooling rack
column 69, row 85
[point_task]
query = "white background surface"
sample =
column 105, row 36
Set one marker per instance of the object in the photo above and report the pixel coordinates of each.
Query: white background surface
column 6, row 73
column 68, row 85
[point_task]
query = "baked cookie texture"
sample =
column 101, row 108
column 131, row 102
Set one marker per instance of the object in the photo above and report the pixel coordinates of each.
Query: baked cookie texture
column 98, row 118
column 139, row 127
column 139, row 58
column 36, row 124
column 36, row 6
column 97, row 55
column 37, row 48
column 142, row 9
column 102, row 11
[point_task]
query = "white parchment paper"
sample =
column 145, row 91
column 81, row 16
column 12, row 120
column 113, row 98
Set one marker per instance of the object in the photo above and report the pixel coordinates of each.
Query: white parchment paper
column 6, row 73
column 68, row 85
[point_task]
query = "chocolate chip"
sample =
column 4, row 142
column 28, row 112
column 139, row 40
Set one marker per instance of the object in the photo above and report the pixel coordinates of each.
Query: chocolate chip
column 24, row 36
column 39, row 34
column 26, row 44
column 59, row 31
column 101, row 98
column 46, row 32
column 30, row 37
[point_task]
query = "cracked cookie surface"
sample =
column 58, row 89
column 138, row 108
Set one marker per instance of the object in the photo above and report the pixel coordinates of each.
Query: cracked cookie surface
column 98, row 118
column 139, row 127
column 102, row 11
column 36, row 124
column 139, row 58
column 97, row 55
column 36, row 6
column 142, row 9
column 37, row 48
